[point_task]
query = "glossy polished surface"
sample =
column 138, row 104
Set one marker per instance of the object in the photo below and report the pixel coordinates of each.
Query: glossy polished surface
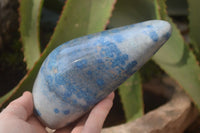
column 83, row 71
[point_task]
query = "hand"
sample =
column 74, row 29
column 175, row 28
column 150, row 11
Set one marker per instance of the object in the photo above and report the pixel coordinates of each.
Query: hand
column 18, row 117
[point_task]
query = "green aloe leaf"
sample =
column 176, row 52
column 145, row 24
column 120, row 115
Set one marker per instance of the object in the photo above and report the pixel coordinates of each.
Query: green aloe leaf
column 194, row 25
column 132, row 11
column 131, row 97
column 177, row 7
column 30, row 11
column 177, row 60
column 78, row 18
column 81, row 18
column 129, row 12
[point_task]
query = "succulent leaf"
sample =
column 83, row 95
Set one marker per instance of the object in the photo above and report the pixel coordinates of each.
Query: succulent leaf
column 194, row 25
column 128, row 12
column 177, row 60
column 131, row 97
column 87, row 24
column 30, row 11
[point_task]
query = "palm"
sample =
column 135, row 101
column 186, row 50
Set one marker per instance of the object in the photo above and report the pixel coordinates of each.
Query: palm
column 19, row 114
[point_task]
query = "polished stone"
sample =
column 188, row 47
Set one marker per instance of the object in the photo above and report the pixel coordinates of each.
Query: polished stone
column 81, row 72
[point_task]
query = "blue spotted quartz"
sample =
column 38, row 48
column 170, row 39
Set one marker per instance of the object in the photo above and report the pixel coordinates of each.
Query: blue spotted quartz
column 81, row 72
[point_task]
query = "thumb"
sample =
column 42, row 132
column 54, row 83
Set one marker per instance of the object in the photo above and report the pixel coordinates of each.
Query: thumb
column 21, row 108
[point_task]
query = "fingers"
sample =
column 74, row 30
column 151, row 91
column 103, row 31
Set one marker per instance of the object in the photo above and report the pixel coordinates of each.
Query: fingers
column 39, row 128
column 80, row 125
column 74, row 127
column 21, row 108
column 94, row 122
column 64, row 130
column 98, row 115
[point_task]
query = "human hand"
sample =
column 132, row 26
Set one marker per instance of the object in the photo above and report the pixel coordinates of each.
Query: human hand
column 18, row 117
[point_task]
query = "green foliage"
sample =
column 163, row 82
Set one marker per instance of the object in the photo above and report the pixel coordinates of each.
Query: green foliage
column 194, row 25
column 131, row 97
column 177, row 7
column 132, row 11
column 129, row 12
column 64, row 31
column 177, row 60
column 10, row 58
column 29, row 28
column 175, row 57
column 150, row 70
column 80, row 18
column 93, row 17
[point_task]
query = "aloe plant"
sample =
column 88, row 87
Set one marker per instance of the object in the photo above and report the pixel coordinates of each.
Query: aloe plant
column 80, row 18
column 194, row 19
column 88, row 23
column 180, row 62
column 29, row 29
column 175, row 57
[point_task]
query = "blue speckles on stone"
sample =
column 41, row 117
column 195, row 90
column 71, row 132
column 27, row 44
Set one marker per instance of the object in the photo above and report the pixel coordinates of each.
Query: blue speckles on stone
column 130, row 67
column 120, row 60
column 151, row 33
column 104, row 33
column 90, row 36
column 100, row 82
column 66, row 94
column 107, row 50
column 80, row 64
column 66, row 112
column 99, row 41
column 150, row 26
column 100, row 61
column 167, row 35
column 118, row 30
column 125, row 56
column 81, row 72
column 80, row 94
column 56, row 110
column 48, row 78
column 37, row 112
column 59, row 80
column 89, row 73
column 118, row 38
column 154, row 36
column 100, row 64
column 111, row 51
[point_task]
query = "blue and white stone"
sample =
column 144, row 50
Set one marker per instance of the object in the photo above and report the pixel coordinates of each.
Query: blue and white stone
column 79, row 73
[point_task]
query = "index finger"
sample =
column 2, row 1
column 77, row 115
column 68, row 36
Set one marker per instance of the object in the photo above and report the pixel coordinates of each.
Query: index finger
column 21, row 108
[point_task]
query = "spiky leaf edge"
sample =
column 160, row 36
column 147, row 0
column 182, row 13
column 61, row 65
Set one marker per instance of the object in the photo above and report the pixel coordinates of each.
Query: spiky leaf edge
column 29, row 78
